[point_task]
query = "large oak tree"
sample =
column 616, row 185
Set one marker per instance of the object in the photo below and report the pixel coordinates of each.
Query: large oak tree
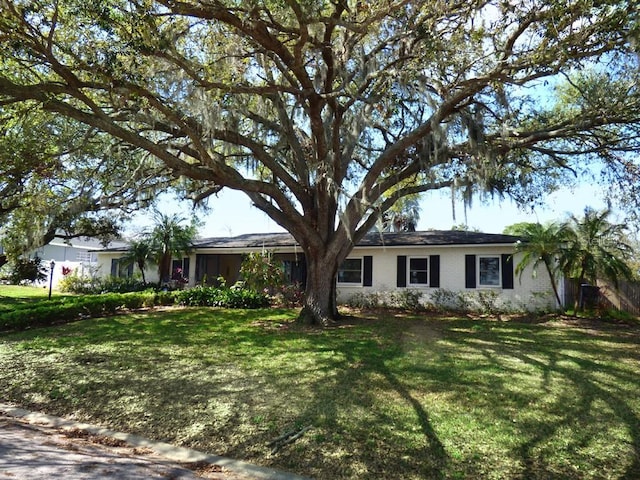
column 325, row 113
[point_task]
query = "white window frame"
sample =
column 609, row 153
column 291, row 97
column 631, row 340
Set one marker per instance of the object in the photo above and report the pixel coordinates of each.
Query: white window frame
column 409, row 282
column 353, row 284
column 489, row 285
column 84, row 256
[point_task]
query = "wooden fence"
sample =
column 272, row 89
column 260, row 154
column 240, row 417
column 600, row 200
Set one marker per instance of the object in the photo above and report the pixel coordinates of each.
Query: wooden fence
column 624, row 298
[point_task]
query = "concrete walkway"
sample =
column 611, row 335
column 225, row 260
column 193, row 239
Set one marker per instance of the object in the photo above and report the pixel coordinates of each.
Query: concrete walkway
column 39, row 446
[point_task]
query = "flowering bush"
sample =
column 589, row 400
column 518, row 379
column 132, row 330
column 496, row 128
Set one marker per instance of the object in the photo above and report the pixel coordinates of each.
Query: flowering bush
column 290, row 295
column 179, row 277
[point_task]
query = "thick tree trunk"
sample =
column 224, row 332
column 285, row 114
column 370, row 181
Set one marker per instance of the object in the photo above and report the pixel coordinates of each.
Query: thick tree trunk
column 164, row 268
column 319, row 307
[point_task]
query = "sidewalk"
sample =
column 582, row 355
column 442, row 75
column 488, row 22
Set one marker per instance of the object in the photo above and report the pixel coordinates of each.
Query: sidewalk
column 39, row 447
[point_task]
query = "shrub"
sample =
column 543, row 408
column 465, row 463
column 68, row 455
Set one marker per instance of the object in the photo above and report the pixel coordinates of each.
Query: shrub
column 363, row 300
column 260, row 271
column 92, row 284
column 443, row 299
column 289, row 295
column 203, row 296
column 408, row 299
column 72, row 308
column 27, row 270
column 80, row 284
column 405, row 299
column 488, row 301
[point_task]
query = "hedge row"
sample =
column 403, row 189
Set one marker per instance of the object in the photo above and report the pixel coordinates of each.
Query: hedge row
column 201, row 296
column 68, row 309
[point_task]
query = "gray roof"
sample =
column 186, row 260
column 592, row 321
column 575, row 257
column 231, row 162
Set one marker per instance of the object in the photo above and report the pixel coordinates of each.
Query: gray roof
column 89, row 243
column 431, row 237
column 248, row 240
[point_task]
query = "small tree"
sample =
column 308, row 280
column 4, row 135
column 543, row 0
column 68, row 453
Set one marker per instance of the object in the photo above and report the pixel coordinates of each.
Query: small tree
column 596, row 248
column 170, row 238
column 27, row 270
column 140, row 253
column 260, row 271
column 543, row 244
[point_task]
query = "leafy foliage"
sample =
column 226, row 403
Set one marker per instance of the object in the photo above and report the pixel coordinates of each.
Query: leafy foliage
column 597, row 248
column 586, row 248
column 94, row 284
column 326, row 114
column 168, row 238
column 29, row 270
column 225, row 297
column 542, row 244
column 69, row 309
column 139, row 253
column 261, row 272
column 59, row 177
column 406, row 299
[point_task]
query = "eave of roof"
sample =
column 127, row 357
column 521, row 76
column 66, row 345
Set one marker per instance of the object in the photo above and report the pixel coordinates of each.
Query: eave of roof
column 431, row 237
column 395, row 239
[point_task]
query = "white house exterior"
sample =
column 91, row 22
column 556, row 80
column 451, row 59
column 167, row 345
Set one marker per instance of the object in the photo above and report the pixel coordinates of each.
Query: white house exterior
column 455, row 261
column 77, row 255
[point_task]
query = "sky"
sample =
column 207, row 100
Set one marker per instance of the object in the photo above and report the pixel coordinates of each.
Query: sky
column 231, row 213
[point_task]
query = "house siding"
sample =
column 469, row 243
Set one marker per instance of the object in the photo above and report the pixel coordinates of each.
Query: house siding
column 451, row 266
column 77, row 258
column 527, row 292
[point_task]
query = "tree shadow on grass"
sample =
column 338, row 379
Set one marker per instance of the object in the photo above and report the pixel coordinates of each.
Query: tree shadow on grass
column 231, row 383
column 358, row 435
column 592, row 366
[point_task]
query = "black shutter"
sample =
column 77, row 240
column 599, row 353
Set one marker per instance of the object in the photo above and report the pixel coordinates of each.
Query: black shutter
column 507, row 271
column 130, row 270
column 114, row 267
column 402, row 271
column 470, row 271
column 367, row 273
column 434, row 270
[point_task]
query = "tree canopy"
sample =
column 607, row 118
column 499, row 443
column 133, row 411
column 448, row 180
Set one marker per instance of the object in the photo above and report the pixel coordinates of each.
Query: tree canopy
column 587, row 248
column 326, row 113
column 59, row 177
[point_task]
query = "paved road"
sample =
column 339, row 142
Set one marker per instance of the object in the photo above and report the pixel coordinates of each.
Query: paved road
column 37, row 446
column 34, row 452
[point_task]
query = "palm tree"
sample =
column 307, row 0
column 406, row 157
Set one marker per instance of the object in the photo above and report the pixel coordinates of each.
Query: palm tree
column 543, row 244
column 402, row 217
column 139, row 253
column 596, row 248
column 169, row 238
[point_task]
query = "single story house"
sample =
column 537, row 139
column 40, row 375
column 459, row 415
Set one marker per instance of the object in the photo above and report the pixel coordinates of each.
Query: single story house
column 455, row 261
column 79, row 255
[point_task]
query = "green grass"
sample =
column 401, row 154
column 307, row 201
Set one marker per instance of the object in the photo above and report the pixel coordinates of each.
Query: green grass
column 12, row 295
column 385, row 397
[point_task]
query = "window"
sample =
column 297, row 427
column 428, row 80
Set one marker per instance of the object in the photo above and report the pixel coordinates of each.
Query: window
column 121, row 269
column 180, row 268
column 419, row 271
column 350, row 271
column 489, row 271
column 83, row 256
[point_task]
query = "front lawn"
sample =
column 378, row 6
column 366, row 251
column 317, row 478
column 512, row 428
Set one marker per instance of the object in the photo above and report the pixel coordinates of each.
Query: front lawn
column 11, row 295
column 383, row 396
